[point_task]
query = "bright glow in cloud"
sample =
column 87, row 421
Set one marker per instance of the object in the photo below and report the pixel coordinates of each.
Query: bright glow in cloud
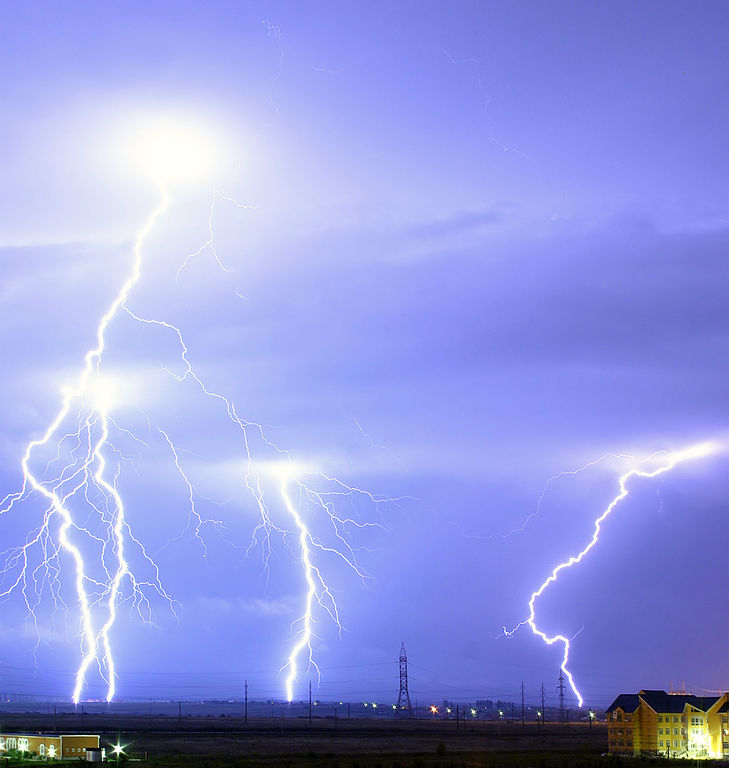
column 173, row 149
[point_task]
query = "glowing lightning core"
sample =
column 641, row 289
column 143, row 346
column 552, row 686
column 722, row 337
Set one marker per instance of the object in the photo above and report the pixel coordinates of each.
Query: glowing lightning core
column 667, row 462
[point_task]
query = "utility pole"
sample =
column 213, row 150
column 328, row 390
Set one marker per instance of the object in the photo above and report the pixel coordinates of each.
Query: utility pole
column 560, row 688
column 404, row 707
column 54, row 719
column 542, row 704
column 245, row 711
column 309, row 702
column 179, row 711
column 522, row 702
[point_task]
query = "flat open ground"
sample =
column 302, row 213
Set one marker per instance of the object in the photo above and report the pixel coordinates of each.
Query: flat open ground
column 210, row 742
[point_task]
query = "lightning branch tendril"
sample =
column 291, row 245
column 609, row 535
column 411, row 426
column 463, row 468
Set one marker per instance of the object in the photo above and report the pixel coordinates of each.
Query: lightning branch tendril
column 667, row 462
column 85, row 518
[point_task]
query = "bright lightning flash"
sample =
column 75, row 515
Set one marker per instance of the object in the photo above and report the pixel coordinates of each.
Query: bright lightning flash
column 665, row 462
column 85, row 519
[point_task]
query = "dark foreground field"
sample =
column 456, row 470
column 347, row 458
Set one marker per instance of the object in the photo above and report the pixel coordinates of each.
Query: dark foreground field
column 212, row 742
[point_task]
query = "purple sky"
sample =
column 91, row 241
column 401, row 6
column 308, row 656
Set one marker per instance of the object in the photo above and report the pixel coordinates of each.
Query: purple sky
column 489, row 245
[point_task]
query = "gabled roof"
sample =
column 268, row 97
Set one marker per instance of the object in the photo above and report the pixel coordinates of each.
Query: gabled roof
column 660, row 701
column 628, row 702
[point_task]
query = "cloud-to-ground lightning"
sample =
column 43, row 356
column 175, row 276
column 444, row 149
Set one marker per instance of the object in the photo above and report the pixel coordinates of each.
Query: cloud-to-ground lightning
column 665, row 461
column 85, row 518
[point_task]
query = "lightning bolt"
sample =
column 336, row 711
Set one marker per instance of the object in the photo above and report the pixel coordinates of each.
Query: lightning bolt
column 90, row 474
column 85, row 518
column 667, row 461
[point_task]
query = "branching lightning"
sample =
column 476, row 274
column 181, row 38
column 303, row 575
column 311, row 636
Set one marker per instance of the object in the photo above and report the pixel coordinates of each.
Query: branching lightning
column 665, row 462
column 86, row 521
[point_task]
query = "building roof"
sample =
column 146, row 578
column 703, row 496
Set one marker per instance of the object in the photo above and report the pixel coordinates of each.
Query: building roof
column 660, row 701
column 628, row 702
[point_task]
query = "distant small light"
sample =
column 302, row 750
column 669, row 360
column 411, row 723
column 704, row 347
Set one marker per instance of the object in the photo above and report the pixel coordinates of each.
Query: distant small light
column 433, row 709
column 374, row 705
column 118, row 749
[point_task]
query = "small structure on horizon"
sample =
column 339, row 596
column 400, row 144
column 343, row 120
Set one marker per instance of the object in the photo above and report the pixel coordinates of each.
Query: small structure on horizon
column 49, row 745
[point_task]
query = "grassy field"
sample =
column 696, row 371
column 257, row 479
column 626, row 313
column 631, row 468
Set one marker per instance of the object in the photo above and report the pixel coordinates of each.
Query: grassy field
column 226, row 742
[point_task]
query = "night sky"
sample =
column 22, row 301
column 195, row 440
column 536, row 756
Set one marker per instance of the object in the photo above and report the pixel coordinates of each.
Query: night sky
column 478, row 244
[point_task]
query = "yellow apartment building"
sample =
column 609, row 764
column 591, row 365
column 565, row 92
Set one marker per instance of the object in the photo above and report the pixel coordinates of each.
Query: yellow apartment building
column 669, row 724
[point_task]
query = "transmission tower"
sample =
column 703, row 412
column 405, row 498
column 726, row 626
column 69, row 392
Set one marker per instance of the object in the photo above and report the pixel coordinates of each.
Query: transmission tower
column 560, row 688
column 404, row 708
